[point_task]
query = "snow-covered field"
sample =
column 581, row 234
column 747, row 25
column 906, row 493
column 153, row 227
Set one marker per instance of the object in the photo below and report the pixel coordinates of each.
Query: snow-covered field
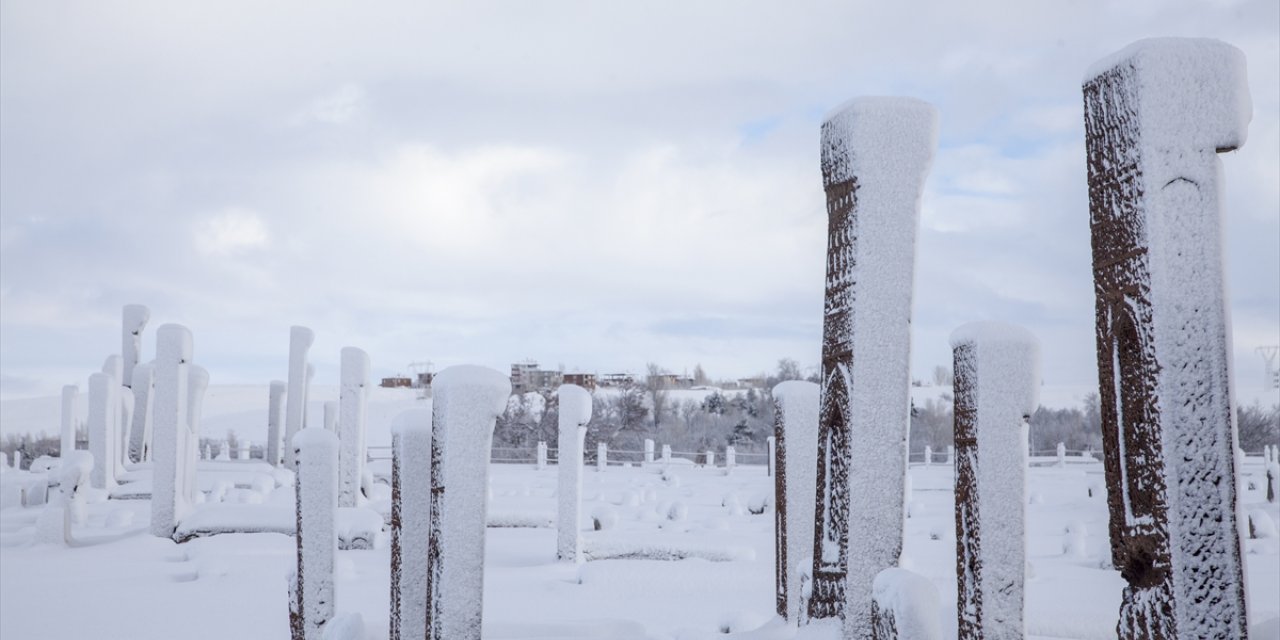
column 119, row 582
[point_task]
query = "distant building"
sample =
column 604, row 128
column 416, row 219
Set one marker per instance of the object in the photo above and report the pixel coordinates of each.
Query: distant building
column 585, row 380
column 396, row 381
column 424, row 380
column 526, row 377
column 617, row 379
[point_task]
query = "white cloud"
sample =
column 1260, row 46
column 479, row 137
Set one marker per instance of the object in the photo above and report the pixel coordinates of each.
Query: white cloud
column 231, row 232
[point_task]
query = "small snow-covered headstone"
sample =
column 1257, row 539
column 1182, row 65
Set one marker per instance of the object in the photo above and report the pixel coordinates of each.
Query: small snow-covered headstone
column 331, row 417
column 224, row 451
column 169, row 501
column 275, row 421
column 1156, row 115
column 648, row 451
column 1062, row 454
column 666, row 454
column 102, row 440
column 796, row 437
column 467, row 401
column 951, row 454
column 300, row 341
column 312, row 604
column 352, row 398
column 876, row 153
column 143, row 386
column 410, row 522
column 710, row 458
column 928, row 455
column 17, row 461
column 602, row 456
column 997, row 378
column 575, row 413
column 771, row 447
column 243, row 447
column 135, row 318
column 540, row 456
column 70, row 395
column 904, row 605
column 730, row 458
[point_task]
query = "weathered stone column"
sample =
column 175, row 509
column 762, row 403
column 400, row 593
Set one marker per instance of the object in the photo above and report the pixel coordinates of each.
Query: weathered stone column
column 997, row 382
column 1156, row 115
column 666, row 454
column 352, row 398
column 575, row 413
column 602, row 456
column 300, row 341
column 648, row 451
column 275, row 421
column 876, row 153
column 730, row 458
column 172, row 376
column 710, row 458
column 70, row 396
column 795, row 432
column 312, row 598
column 140, row 430
column 928, row 455
column 135, row 318
column 467, row 401
column 540, row 456
column 102, row 441
column 410, row 522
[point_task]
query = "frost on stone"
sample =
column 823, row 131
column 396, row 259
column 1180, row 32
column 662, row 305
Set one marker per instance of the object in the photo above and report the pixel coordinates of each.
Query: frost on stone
column 315, row 452
column 876, row 153
column 467, row 401
column 1156, row 114
column 410, row 522
column 275, row 422
column 574, row 414
column 143, row 383
column 70, row 398
column 795, row 451
column 997, row 380
column 134, row 320
column 300, row 341
column 353, row 395
column 170, row 440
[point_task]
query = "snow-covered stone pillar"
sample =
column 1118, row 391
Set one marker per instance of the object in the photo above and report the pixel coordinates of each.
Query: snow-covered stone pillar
column 1062, row 454
column 70, row 396
column 928, row 455
column 352, row 397
column 245, row 446
column 904, row 605
column 795, row 432
column 275, row 421
column 135, row 318
column 331, row 417
column 311, row 602
column 300, row 341
column 467, row 401
column 102, row 440
column 876, row 153
column 306, row 394
column 710, row 458
column 997, row 380
column 648, row 451
column 1156, row 115
column 540, row 456
column 169, row 437
column 410, row 522
column 666, row 454
column 143, row 383
column 730, row 458
column 575, row 413
column 951, row 454
column 602, row 456
column 197, row 384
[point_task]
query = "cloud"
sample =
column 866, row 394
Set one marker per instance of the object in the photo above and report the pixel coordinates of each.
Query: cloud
column 231, row 232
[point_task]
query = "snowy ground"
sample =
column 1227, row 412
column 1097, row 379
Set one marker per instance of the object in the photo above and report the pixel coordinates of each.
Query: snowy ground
column 123, row 583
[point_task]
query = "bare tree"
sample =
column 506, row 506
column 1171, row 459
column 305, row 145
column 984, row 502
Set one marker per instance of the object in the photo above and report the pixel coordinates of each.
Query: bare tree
column 656, row 386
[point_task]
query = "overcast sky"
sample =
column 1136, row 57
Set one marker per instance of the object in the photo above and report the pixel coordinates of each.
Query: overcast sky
column 592, row 184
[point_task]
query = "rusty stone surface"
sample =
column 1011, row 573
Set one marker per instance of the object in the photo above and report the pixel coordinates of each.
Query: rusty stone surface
column 968, row 524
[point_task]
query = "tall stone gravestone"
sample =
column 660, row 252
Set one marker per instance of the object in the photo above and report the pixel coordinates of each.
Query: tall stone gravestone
column 876, row 153
column 1156, row 115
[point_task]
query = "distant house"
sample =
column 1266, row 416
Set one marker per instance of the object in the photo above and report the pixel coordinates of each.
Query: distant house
column 617, row 379
column 396, row 381
column 526, row 377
